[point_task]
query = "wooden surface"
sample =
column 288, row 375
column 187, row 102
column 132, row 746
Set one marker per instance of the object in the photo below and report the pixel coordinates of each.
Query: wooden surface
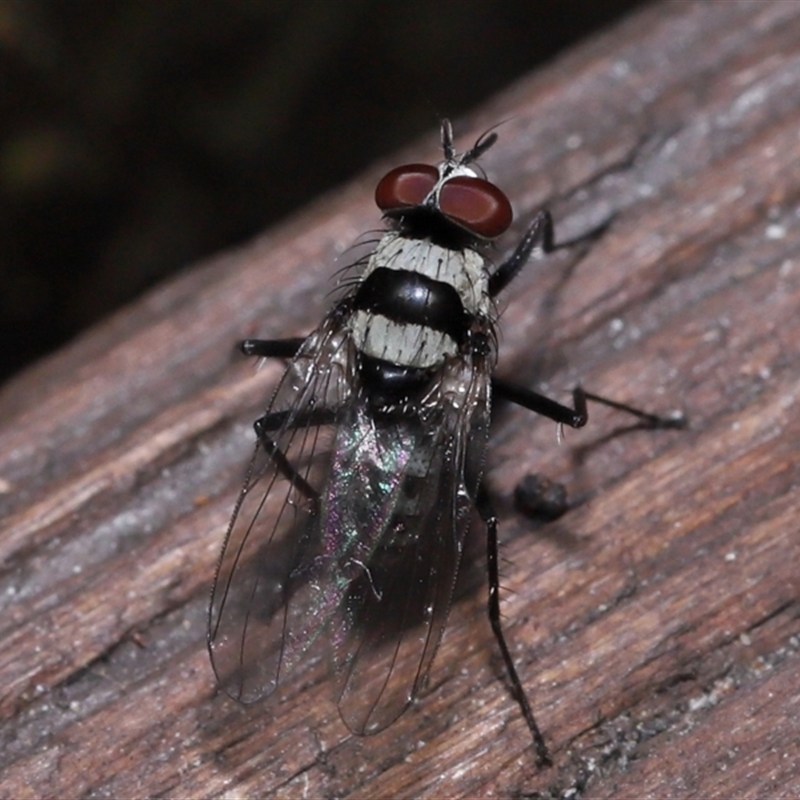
column 656, row 626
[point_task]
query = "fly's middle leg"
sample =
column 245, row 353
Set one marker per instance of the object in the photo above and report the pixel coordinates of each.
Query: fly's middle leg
column 276, row 420
column 271, row 348
column 578, row 415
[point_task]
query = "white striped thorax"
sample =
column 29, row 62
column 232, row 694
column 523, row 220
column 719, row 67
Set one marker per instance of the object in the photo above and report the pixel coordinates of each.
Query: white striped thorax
column 415, row 344
column 464, row 270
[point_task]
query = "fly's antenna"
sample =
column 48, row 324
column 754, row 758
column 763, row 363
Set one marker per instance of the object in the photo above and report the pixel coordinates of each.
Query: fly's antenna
column 447, row 141
column 478, row 149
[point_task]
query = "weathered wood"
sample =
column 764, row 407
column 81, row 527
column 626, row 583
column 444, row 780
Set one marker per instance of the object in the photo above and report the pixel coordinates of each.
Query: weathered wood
column 656, row 626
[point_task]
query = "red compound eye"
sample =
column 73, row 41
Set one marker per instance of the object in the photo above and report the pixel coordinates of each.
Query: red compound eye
column 406, row 186
column 477, row 205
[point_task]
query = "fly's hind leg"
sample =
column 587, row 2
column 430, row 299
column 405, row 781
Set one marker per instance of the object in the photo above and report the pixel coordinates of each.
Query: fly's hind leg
column 490, row 518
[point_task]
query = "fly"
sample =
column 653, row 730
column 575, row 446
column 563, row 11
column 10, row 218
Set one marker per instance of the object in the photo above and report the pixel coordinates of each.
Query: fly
column 368, row 466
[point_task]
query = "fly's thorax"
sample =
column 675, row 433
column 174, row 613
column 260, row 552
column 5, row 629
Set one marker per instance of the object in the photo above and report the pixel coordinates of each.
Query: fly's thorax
column 416, row 301
column 464, row 269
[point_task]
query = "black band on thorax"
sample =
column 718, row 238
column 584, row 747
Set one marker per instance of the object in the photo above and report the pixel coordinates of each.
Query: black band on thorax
column 405, row 296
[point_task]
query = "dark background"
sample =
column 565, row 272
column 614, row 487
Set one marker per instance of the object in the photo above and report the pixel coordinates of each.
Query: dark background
column 137, row 137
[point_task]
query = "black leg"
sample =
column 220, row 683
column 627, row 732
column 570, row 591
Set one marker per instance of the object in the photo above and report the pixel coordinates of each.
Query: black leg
column 578, row 416
column 574, row 417
column 273, row 421
column 271, row 348
column 284, row 348
column 540, row 234
column 676, row 419
column 490, row 518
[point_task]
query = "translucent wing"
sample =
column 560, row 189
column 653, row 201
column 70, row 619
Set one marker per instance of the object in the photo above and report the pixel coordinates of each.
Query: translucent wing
column 349, row 530
column 393, row 614
column 259, row 626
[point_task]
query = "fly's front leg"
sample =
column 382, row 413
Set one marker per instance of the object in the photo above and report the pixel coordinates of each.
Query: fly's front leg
column 540, row 234
column 490, row 518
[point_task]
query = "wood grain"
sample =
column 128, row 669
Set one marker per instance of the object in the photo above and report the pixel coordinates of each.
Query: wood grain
column 656, row 626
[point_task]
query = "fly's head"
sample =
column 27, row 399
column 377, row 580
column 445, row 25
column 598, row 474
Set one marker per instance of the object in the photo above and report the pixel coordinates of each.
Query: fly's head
column 450, row 201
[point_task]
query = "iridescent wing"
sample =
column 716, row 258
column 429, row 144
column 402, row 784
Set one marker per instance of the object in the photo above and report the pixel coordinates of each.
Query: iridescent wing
column 349, row 530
